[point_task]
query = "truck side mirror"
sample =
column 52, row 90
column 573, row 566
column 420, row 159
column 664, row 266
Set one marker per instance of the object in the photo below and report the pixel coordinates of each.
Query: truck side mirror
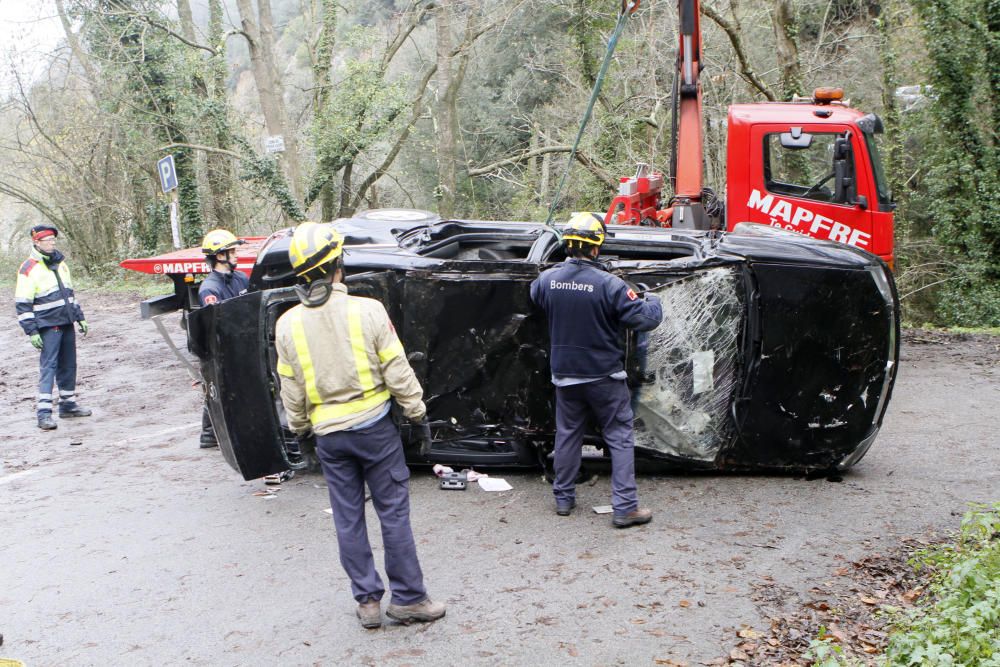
column 795, row 139
column 844, row 190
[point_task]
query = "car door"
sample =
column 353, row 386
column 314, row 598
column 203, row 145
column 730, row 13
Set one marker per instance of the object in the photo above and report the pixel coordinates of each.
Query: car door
column 234, row 341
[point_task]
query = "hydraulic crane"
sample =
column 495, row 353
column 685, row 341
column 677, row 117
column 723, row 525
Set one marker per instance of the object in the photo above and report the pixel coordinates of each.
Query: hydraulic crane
column 810, row 165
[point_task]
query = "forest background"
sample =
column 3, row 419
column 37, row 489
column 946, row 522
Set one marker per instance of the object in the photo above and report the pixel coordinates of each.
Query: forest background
column 469, row 108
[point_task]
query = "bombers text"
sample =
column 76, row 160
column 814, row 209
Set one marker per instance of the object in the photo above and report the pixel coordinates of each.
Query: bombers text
column 572, row 285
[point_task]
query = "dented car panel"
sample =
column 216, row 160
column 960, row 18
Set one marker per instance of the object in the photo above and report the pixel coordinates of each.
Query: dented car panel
column 777, row 351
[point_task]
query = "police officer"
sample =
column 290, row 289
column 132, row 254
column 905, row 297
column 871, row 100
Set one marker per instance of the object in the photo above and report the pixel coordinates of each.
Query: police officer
column 340, row 361
column 47, row 310
column 587, row 308
column 223, row 282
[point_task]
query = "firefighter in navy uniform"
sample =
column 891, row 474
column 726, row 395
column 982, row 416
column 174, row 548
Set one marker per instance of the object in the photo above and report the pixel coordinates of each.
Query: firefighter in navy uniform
column 47, row 310
column 587, row 308
column 224, row 282
column 340, row 361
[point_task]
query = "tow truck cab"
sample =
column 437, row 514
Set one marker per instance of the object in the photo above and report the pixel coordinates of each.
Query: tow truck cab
column 811, row 168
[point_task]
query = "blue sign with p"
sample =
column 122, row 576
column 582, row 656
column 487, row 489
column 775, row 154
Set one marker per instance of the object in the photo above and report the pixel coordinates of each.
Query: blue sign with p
column 168, row 175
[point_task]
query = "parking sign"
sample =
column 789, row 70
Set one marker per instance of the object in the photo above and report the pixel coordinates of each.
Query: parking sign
column 168, row 175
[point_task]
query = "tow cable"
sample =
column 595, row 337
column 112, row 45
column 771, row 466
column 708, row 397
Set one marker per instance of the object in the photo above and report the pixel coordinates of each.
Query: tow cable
column 627, row 9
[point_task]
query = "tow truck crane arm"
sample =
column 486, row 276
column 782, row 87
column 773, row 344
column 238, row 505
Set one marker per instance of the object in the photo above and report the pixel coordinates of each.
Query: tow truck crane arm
column 687, row 157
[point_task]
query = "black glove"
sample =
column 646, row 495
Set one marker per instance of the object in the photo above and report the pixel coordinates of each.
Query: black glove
column 422, row 429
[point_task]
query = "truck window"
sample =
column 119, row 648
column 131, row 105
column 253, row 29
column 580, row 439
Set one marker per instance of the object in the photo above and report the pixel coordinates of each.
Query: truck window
column 802, row 172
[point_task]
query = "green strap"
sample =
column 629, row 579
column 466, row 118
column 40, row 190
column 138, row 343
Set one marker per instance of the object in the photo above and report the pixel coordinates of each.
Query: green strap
column 612, row 43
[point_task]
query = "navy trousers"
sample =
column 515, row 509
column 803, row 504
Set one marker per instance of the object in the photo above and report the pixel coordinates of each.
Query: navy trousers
column 57, row 364
column 373, row 455
column 609, row 402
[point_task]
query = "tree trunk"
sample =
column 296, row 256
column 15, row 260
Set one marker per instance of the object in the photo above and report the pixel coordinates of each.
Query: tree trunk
column 446, row 111
column 323, row 62
column 187, row 19
column 220, row 166
column 786, row 37
column 260, row 38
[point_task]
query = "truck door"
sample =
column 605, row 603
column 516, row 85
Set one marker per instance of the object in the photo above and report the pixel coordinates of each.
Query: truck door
column 805, row 179
column 234, row 341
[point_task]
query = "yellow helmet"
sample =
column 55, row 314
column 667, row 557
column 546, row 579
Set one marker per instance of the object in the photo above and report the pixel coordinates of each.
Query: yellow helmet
column 219, row 240
column 585, row 228
column 313, row 245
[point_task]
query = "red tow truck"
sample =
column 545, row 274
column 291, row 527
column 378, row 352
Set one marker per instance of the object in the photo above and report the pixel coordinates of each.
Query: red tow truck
column 809, row 166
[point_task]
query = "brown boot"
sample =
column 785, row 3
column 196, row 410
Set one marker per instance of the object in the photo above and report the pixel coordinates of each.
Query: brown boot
column 370, row 614
column 634, row 518
column 422, row 611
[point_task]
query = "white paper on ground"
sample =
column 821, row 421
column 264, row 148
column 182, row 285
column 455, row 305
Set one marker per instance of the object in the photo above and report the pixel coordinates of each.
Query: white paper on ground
column 494, row 484
column 603, row 509
column 329, row 510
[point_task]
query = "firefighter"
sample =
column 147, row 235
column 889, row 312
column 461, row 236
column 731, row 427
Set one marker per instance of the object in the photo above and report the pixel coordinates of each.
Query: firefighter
column 587, row 308
column 47, row 310
column 340, row 361
column 224, row 282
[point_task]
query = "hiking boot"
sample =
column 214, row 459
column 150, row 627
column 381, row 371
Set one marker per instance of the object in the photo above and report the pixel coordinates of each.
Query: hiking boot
column 73, row 410
column 207, row 440
column 422, row 611
column 565, row 508
column 370, row 614
column 46, row 422
column 634, row 518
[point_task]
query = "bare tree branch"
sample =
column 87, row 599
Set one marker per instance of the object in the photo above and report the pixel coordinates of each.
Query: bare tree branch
column 592, row 166
column 199, row 147
column 733, row 32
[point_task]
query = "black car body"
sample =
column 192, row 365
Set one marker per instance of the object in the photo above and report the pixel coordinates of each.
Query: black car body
column 777, row 351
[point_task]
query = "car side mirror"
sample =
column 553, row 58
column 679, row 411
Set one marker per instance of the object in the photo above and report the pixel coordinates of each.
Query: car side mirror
column 795, row 139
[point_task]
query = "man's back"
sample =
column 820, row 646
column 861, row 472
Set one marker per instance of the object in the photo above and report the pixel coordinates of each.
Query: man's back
column 588, row 308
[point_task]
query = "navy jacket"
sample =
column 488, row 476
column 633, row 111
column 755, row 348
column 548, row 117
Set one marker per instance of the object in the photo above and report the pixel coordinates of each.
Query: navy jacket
column 218, row 287
column 588, row 308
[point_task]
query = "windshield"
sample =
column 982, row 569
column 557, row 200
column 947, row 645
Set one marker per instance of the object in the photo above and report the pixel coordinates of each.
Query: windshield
column 881, row 183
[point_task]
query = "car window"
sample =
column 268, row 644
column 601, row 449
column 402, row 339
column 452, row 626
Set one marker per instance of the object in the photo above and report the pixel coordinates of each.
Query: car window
column 802, row 172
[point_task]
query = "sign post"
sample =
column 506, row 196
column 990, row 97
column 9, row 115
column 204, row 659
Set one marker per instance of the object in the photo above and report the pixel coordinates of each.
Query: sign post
column 168, row 183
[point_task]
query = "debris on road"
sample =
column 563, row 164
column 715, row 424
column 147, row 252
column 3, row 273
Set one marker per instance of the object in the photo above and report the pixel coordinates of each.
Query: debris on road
column 494, row 484
column 603, row 509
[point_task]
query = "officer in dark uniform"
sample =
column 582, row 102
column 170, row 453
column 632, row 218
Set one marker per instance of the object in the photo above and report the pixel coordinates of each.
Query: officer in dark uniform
column 588, row 308
column 224, row 282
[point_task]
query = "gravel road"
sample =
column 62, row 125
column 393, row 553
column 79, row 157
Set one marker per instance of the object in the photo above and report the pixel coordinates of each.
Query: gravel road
column 135, row 547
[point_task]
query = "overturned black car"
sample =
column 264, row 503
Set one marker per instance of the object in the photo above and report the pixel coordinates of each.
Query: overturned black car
column 776, row 352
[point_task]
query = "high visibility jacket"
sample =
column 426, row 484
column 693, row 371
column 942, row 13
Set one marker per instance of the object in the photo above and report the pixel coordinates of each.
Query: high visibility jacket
column 44, row 295
column 340, row 362
column 588, row 308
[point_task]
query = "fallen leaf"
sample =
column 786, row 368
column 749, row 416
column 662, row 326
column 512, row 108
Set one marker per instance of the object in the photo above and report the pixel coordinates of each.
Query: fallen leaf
column 684, row 603
column 748, row 633
column 737, row 654
column 868, row 600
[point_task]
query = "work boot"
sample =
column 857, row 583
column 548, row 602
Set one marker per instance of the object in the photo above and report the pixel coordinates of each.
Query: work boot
column 422, row 611
column 370, row 614
column 565, row 508
column 207, row 440
column 69, row 410
column 46, row 422
column 634, row 518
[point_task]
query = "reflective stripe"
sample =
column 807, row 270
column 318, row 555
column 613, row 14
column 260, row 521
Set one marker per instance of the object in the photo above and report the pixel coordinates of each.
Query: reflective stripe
column 25, row 316
column 358, row 345
column 391, row 352
column 305, row 359
column 50, row 306
column 285, row 369
column 45, row 294
column 66, row 394
column 324, row 413
column 43, row 397
column 21, row 299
